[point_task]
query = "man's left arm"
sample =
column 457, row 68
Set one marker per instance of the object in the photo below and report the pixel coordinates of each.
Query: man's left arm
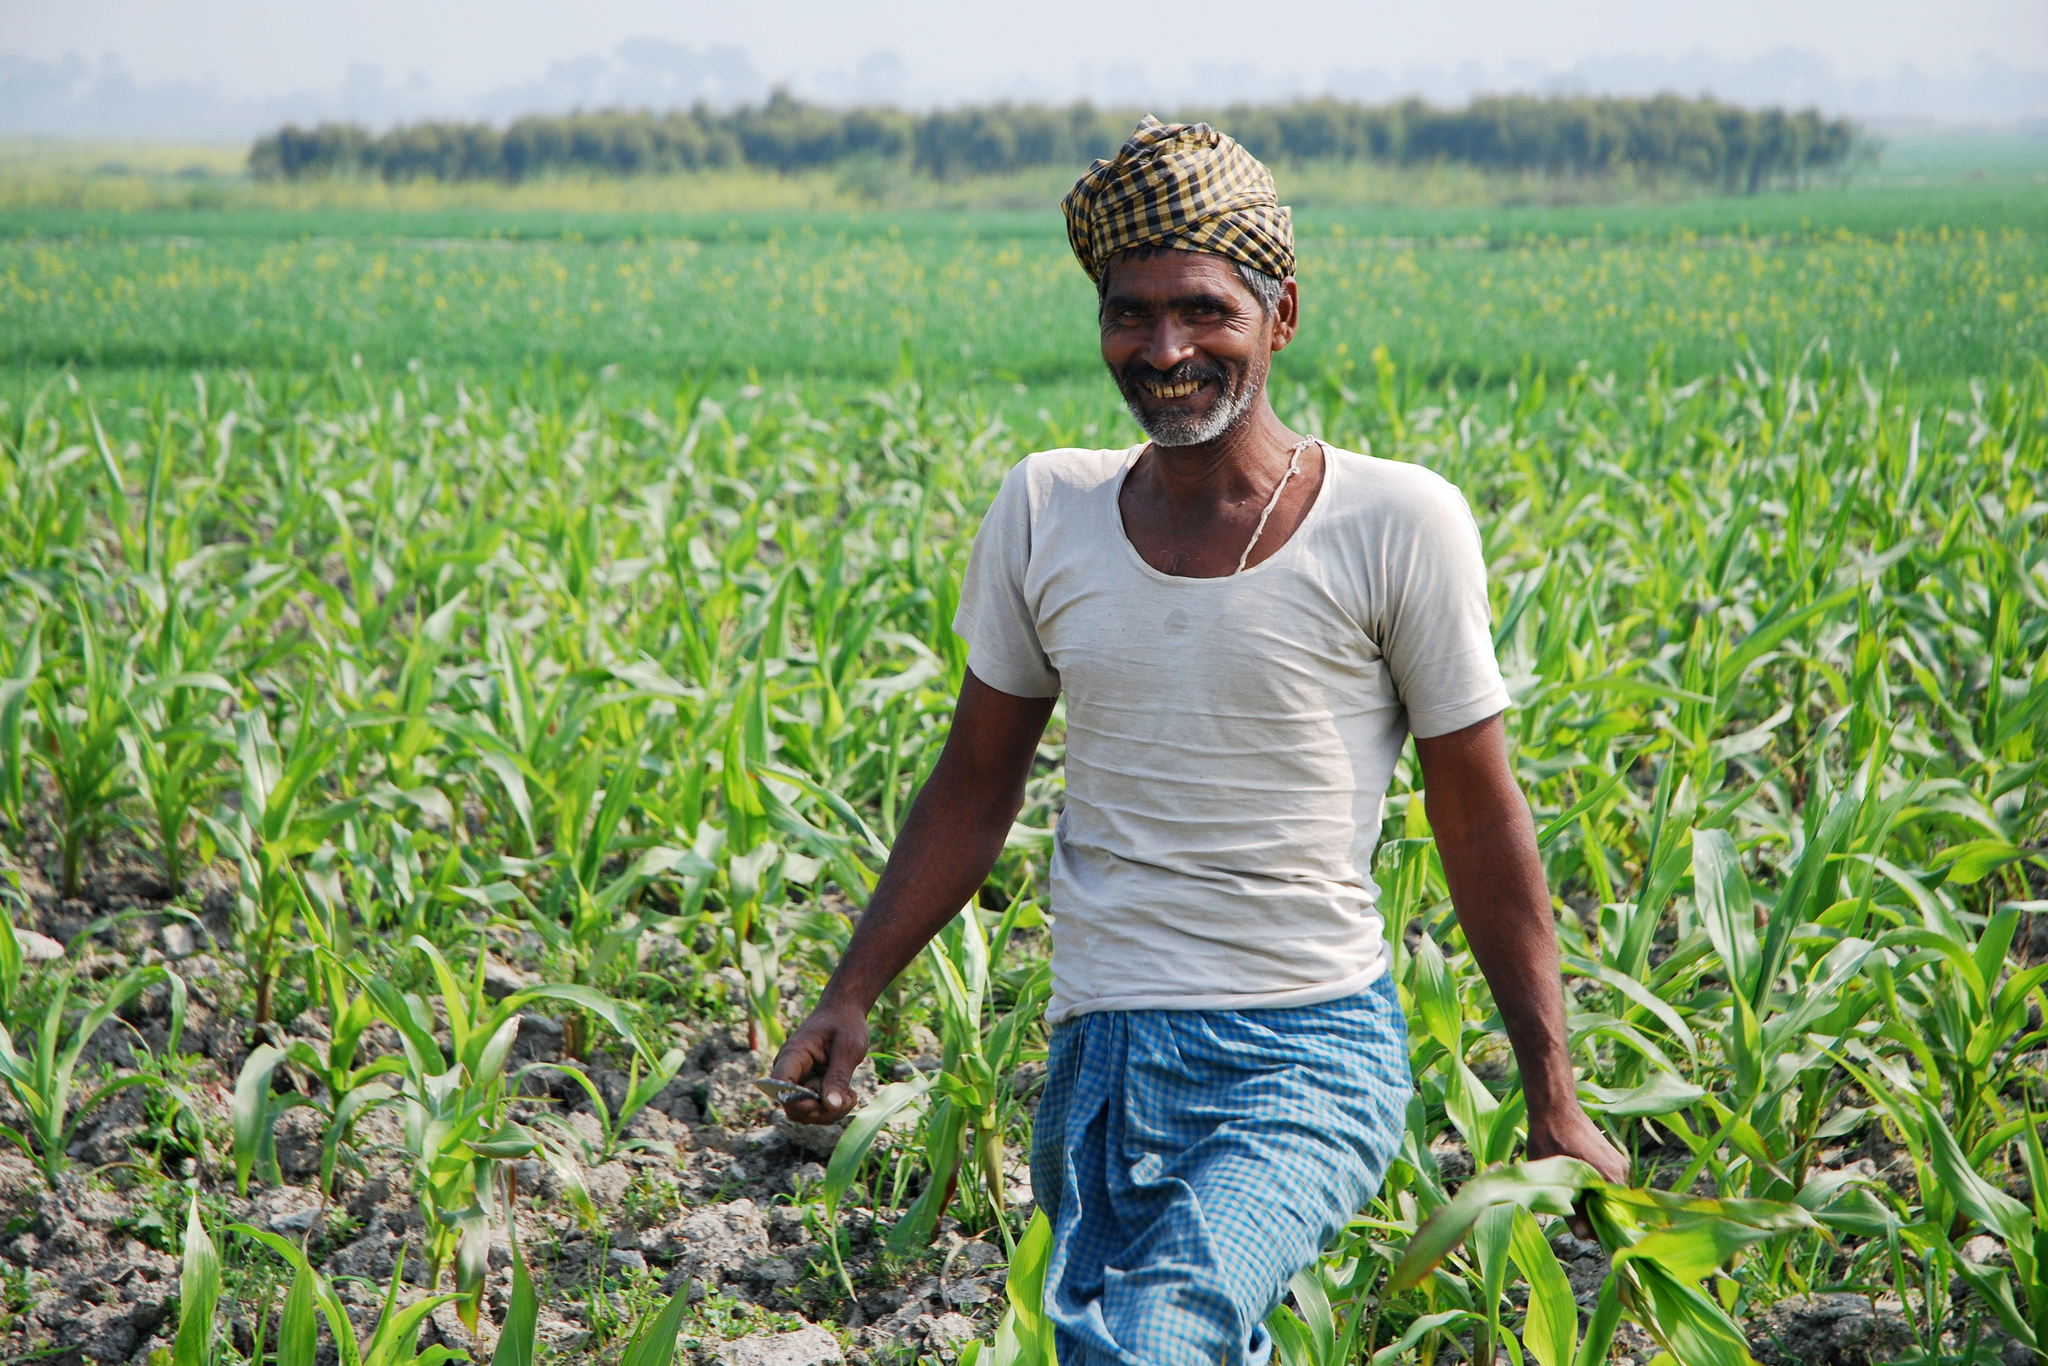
column 1487, row 841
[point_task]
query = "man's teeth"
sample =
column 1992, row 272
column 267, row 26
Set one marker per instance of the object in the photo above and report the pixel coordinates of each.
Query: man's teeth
column 1174, row 390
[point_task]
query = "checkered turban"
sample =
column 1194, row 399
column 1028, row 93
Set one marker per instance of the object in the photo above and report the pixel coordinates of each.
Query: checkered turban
column 1184, row 186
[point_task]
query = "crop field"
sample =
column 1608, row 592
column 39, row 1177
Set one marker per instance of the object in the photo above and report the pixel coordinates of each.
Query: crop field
column 435, row 771
column 1955, row 282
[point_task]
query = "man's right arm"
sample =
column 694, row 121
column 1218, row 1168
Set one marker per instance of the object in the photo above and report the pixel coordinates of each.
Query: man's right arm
column 951, row 838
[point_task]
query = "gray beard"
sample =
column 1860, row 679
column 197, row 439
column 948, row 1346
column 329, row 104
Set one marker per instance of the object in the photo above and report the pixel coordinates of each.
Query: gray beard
column 1189, row 430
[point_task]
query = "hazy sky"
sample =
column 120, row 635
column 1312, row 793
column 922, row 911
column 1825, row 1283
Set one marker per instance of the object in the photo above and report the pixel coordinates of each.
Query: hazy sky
column 462, row 47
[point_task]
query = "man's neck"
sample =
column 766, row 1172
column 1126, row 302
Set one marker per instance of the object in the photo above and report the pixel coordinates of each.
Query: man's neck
column 1243, row 463
column 1192, row 511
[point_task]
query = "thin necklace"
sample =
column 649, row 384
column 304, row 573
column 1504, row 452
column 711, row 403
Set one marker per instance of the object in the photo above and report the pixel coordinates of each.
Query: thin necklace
column 1293, row 468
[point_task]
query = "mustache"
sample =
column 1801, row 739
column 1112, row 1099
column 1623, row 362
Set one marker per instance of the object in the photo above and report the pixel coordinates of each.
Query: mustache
column 1188, row 371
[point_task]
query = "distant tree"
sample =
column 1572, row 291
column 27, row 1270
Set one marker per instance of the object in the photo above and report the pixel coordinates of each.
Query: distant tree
column 1666, row 137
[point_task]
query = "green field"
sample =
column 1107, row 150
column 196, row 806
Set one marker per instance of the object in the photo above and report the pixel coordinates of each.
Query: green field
column 1953, row 280
column 389, row 589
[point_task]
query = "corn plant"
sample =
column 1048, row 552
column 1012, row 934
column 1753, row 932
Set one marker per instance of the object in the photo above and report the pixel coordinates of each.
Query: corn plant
column 863, row 1127
column 393, row 1342
column 1659, row 1245
column 653, row 1342
column 346, row 1088
column 968, row 1122
column 1957, row 1195
column 265, row 836
column 81, row 716
column 174, row 740
column 1024, row 1335
column 17, row 782
column 453, row 1106
column 41, row 1081
column 612, row 1123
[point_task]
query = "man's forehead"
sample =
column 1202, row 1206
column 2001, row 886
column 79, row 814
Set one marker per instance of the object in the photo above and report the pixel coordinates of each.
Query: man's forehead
column 1166, row 274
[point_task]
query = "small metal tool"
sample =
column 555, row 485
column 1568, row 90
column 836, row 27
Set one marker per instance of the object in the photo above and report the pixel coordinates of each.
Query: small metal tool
column 783, row 1092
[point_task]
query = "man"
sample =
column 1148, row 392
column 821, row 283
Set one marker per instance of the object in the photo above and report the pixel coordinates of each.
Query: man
column 1247, row 625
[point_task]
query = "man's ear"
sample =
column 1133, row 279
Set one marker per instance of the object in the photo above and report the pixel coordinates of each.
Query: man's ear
column 1286, row 315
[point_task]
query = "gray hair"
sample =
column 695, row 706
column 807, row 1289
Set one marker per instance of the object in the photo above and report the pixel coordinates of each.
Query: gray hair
column 1267, row 289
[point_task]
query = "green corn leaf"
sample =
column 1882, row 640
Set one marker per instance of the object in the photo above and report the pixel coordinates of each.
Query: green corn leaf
column 10, row 966
column 1820, row 993
column 655, row 1343
column 1994, row 1286
column 1693, row 1251
column 297, row 1336
column 516, row 1337
column 1400, row 1348
column 1600, row 1325
column 14, row 697
column 1026, row 1292
column 1797, row 904
column 1860, row 1213
column 1775, row 625
column 1972, row 861
column 198, row 1292
column 1551, row 1330
column 1292, row 1342
column 453, row 998
column 472, row 1262
column 1569, row 816
column 1662, row 1094
column 506, row 770
column 394, row 1341
column 1995, row 940
column 648, row 1087
column 358, row 1099
column 298, row 1324
column 1742, row 1042
column 1548, row 1187
column 862, row 1128
column 1641, row 994
column 506, row 1141
column 1727, row 911
column 570, row 1173
column 422, row 1051
column 596, row 1002
column 832, row 802
column 1491, row 1234
column 1989, row 1206
column 1696, row 1330
column 945, row 1136
column 492, row 1050
column 251, row 1110
column 1436, row 997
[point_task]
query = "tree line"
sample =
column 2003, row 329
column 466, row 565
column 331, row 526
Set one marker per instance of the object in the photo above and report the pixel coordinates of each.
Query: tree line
column 1662, row 138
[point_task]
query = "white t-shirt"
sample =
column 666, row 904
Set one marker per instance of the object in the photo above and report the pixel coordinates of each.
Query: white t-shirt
column 1229, row 741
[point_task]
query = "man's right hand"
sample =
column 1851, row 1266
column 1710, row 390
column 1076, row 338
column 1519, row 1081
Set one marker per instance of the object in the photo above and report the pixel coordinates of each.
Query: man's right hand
column 822, row 1054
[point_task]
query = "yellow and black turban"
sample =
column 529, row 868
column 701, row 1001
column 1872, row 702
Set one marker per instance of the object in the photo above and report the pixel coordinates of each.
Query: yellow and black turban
column 1185, row 186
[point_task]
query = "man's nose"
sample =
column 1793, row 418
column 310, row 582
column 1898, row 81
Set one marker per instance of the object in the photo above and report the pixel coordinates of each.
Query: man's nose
column 1168, row 345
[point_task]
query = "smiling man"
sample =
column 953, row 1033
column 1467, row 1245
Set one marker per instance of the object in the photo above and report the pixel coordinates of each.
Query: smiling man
column 1247, row 624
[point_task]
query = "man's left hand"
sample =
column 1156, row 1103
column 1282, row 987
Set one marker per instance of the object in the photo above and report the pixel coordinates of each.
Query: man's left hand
column 1571, row 1133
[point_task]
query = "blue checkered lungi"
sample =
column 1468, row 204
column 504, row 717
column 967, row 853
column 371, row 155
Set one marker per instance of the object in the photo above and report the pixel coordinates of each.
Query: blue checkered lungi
column 1191, row 1161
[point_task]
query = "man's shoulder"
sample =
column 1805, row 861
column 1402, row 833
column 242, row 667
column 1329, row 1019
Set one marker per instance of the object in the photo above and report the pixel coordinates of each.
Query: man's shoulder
column 1078, row 468
column 1391, row 493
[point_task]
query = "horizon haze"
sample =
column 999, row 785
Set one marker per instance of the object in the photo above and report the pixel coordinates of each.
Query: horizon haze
column 225, row 70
